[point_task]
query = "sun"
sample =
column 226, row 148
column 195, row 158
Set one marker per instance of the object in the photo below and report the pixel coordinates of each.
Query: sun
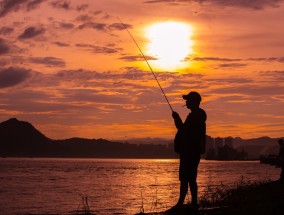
column 169, row 43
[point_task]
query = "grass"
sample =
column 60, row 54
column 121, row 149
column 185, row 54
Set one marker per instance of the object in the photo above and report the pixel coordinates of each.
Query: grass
column 83, row 207
column 155, row 204
column 246, row 198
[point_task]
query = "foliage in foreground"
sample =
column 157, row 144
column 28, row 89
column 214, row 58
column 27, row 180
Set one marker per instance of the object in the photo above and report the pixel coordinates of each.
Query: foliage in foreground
column 246, row 198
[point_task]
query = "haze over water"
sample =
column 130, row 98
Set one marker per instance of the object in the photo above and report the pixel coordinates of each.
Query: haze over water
column 113, row 186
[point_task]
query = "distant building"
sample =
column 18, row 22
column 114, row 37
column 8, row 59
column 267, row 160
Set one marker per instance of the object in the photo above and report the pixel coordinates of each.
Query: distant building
column 218, row 142
column 211, row 154
column 226, row 153
column 229, row 142
column 209, row 143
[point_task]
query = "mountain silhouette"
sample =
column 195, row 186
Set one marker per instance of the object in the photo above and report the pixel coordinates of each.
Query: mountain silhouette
column 22, row 139
column 15, row 131
column 19, row 138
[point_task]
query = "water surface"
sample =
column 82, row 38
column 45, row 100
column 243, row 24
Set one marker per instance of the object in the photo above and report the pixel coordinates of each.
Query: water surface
column 113, row 186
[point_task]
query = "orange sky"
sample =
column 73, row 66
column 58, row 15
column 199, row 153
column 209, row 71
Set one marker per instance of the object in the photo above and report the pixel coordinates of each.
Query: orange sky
column 69, row 67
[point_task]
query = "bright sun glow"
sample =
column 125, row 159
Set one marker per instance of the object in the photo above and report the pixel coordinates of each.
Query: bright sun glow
column 170, row 43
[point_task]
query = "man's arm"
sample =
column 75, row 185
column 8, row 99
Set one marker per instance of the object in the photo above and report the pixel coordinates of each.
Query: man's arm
column 178, row 121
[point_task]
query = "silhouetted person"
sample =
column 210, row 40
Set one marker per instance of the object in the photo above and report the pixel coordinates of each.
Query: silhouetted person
column 281, row 159
column 194, row 137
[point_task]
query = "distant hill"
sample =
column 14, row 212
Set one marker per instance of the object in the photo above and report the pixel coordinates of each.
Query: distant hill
column 257, row 147
column 18, row 138
column 22, row 139
column 146, row 140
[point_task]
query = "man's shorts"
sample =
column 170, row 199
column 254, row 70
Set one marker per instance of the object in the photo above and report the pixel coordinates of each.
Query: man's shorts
column 188, row 167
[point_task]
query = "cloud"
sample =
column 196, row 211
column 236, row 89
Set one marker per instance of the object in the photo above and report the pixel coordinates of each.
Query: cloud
column 65, row 25
column 33, row 4
column 61, row 44
column 4, row 48
column 84, row 75
column 99, row 49
column 162, row 1
column 3, row 62
column 277, row 75
column 61, row 4
column 119, row 26
column 47, row 61
column 269, row 59
column 84, row 18
column 232, row 65
column 82, row 7
column 219, row 59
column 12, row 76
column 212, row 59
column 94, row 25
column 31, row 32
column 255, row 5
column 132, row 58
column 6, row 30
column 102, row 26
column 7, row 6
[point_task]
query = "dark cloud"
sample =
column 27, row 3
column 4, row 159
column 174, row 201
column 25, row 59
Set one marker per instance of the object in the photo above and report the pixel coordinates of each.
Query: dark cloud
column 61, row 44
column 61, row 4
column 101, row 26
column 97, row 12
column 269, row 59
column 160, row 1
column 7, row 6
column 218, row 59
column 6, row 30
column 119, row 26
column 82, row 7
column 65, row 25
column 12, row 76
column 4, row 62
column 277, row 75
column 232, row 65
column 31, row 32
column 4, row 48
column 84, row 75
column 136, row 58
column 99, row 49
column 47, row 61
column 251, row 90
column 33, row 4
column 94, row 25
column 230, row 80
column 84, row 18
column 255, row 5
column 213, row 59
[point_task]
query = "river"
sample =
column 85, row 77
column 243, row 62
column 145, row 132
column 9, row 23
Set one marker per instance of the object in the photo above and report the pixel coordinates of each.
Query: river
column 112, row 186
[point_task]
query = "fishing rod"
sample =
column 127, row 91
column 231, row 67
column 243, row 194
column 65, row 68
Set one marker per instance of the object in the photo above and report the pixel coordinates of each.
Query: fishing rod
column 125, row 27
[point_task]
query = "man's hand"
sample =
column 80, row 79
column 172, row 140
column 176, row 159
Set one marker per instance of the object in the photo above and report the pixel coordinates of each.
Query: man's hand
column 175, row 115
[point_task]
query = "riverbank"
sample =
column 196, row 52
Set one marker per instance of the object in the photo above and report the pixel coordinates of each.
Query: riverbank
column 261, row 198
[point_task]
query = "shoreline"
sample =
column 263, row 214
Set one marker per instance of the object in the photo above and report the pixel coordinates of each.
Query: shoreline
column 261, row 198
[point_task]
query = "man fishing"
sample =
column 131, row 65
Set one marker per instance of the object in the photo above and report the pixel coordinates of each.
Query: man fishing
column 193, row 139
column 193, row 144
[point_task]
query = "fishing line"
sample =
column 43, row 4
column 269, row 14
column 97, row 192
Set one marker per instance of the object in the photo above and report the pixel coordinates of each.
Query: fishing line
column 125, row 27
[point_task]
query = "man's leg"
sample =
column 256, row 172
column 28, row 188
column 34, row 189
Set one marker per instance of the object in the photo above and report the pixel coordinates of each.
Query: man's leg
column 182, row 192
column 193, row 184
column 193, row 191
